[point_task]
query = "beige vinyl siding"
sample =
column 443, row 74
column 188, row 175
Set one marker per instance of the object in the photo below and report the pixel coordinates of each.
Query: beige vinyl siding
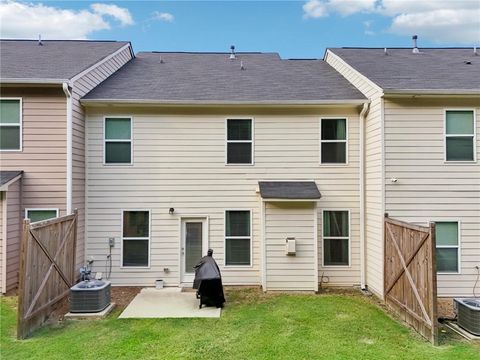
column 43, row 158
column 290, row 219
column 428, row 189
column 13, row 223
column 179, row 162
column 80, row 87
column 374, row 206
column 3, row 227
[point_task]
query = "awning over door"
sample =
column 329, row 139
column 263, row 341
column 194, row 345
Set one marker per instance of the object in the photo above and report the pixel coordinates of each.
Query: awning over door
column 289, row 190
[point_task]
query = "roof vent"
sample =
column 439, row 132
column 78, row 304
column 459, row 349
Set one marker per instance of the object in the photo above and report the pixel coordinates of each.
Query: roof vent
column 40, row 43
column 475, row 50
column 241, row 65
column 385, row 52
column 161, row 60
column 415, row 48
column 232, row 52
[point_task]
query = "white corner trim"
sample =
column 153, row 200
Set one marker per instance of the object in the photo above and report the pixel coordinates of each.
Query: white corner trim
column 3, row 201
column 68, row 95
column 363, row 262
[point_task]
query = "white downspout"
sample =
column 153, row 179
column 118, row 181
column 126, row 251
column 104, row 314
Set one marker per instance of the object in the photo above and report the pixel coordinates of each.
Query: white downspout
column 363, row 114
column 68, row 94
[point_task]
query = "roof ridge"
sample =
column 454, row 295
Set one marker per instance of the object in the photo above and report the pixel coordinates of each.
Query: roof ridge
column 66, row 40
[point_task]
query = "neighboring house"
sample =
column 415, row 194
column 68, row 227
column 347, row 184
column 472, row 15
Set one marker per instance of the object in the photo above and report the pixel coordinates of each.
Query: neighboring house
column 43, row 132
column 421, row 152
column 189, row 151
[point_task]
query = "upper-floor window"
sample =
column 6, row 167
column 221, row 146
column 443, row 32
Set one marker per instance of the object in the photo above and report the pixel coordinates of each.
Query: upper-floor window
column 240, row 141
column 10, row 124
column 40, row 214
column 333, row 141
column 459, row 135
column 447, row 243
column 118, row 140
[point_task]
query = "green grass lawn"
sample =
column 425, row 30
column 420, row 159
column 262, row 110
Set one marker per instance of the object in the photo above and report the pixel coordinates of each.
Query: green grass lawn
column 252, row 326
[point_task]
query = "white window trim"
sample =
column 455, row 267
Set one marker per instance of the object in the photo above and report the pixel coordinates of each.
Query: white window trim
column 252, row 141
column 349, row 238
column 149, row 238
column 333, row 141
column 117, row 140
column 445, row 135
column 459, row 242
column 225, row 237
column 15, row 125
column 57, row 211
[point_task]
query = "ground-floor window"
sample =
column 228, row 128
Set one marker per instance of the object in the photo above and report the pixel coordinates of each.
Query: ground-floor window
column 336, row 238
column 35, row 215
column 136, row 238
column 238, row 237
column 447, row 240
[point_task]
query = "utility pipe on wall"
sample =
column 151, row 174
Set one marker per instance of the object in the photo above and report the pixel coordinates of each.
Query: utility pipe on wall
column 68, row 94
column 363, row 115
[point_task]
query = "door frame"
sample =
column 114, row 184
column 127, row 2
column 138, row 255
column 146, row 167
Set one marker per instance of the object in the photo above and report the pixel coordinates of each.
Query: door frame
column 205, row 242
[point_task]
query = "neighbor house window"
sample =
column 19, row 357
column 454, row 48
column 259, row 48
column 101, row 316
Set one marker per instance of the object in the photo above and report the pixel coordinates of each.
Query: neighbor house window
column 336, row 238
column 240, row 141
column 136, row 238
column 118, row 140
column 35, row 215
column 447, row 239
column 238, row 237
column 10, row 124
column 460, row 135
column 333, row 141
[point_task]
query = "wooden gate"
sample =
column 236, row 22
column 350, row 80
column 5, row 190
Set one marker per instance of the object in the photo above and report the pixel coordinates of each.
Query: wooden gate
column 410, row 279
column 47, row 269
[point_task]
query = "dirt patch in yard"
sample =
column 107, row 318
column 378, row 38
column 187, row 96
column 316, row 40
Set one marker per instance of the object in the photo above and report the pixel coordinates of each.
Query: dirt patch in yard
column 123, row 295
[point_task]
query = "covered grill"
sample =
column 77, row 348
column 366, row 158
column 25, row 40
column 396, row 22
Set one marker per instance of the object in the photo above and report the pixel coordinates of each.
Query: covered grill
column 208, row 282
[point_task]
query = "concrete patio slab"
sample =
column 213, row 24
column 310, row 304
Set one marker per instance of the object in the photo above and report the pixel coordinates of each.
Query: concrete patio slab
column 167, row 303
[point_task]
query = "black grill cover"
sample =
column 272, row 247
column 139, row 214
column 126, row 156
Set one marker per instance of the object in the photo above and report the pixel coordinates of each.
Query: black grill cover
column 208, row 282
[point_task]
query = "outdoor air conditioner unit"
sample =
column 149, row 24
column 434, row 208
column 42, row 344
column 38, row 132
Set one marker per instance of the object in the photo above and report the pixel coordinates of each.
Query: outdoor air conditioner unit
column 89, row 296
column 468, row 314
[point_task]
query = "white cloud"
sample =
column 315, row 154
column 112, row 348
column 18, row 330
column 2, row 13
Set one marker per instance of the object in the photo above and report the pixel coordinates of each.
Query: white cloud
column 163, row 16
column 447, row 21
column 317, row 8
column 118, row 13
column 28, row 20
column 367, row 28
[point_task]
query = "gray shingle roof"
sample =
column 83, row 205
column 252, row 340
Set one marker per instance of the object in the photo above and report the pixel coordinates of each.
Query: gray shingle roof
column 292, row 190
column 214, row 78
column 6, row 176
column 54, row 60
column 434, row 69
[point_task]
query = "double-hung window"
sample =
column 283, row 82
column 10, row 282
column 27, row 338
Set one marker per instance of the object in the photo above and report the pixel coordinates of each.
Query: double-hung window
column 459, row 135
column 238, row 237
column 136, row 238
column 333, row 141
column 118, row 140
column 447, row 239
column 239, row 141
column 336, row 238
column 35, row 215
column 10, row 124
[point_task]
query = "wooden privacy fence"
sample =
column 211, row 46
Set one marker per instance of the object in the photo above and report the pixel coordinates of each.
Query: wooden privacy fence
column 410, row 279
column 47, row 269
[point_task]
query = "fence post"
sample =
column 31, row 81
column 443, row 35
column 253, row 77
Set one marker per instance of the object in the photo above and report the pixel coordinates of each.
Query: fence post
column 433, row 284
column 21, row 281
column 74, row 263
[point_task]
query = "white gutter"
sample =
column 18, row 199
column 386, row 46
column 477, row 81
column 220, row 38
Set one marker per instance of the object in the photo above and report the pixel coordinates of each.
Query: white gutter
column 363, row 114
column 220, row 102
column 37, row 81
column 68, row 94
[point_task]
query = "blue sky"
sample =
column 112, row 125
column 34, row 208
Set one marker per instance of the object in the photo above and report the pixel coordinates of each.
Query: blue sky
column 295, row 29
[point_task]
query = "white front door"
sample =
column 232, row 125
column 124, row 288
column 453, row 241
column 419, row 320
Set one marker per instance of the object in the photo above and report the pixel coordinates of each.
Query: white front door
column 194, row 245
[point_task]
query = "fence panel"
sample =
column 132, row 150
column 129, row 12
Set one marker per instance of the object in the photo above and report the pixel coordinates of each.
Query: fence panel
column 47, row 269
column 410, row 279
